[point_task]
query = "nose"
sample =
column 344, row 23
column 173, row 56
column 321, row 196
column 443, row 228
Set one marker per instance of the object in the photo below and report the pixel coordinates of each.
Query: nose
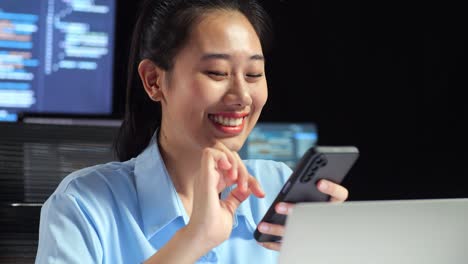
column 238, row 94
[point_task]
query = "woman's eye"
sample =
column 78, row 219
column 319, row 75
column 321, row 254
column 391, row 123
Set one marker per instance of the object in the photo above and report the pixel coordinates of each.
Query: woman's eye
column 257, row 75
column 217, row 73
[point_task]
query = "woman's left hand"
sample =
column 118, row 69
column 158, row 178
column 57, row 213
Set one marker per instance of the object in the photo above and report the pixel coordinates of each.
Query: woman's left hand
column 337, row 193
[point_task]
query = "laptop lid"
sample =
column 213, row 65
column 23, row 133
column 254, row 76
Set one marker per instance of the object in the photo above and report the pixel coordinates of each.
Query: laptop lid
column 378, row 232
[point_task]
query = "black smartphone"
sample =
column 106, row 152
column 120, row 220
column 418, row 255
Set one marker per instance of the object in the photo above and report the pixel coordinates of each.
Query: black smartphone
column 322, row 162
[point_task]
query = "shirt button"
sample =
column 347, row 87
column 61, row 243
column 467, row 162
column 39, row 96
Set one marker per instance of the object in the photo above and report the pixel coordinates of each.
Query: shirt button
column 211, row 257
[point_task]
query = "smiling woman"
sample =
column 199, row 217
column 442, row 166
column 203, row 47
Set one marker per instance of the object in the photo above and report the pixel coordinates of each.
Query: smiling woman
column 215, row 89
column 181, row 193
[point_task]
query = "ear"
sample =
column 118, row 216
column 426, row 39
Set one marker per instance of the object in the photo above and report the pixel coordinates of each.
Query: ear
column 151, row 77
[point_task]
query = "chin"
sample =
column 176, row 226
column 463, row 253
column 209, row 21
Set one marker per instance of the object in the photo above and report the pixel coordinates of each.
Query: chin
column 234, row 144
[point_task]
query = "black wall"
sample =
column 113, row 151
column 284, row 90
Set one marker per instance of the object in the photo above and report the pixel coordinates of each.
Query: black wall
column 387, row 77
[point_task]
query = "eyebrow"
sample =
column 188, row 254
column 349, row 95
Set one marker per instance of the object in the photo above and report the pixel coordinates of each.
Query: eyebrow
column 223, row 56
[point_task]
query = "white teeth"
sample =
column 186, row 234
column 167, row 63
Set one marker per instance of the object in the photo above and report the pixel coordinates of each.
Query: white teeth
column 226, row 121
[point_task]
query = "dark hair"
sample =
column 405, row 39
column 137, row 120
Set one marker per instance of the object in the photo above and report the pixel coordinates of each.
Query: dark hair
column 160, row 32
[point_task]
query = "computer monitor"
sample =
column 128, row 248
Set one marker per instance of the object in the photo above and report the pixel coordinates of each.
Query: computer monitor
column 56, row 57
column 285, row 142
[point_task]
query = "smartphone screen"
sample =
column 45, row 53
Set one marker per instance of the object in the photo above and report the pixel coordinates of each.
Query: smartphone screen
column 323, row 162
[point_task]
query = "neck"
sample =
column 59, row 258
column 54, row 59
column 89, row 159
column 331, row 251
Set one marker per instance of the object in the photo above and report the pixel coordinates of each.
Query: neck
column 180, row 165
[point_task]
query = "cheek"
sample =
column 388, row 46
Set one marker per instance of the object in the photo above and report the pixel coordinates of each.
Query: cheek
column 259, row 98
column 203, row 95
column 209, row 90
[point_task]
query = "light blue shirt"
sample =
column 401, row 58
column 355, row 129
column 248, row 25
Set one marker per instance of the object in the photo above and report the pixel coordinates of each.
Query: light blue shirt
column 124, row 212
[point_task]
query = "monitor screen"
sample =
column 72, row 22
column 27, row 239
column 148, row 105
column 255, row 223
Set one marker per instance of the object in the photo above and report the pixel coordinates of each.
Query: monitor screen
column 56, row 57
column 285, row 142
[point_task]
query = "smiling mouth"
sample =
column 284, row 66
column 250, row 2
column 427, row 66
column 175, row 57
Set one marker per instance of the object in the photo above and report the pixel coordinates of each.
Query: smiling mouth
column 226, row 120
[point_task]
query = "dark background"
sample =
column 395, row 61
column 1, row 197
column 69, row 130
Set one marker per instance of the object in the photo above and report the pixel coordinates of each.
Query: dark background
column 384, row 76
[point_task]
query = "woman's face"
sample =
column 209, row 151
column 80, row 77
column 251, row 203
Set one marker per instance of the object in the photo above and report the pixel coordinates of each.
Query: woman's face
column 217, row 87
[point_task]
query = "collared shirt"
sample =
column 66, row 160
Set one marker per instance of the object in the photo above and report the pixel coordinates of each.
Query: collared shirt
column 124, row 212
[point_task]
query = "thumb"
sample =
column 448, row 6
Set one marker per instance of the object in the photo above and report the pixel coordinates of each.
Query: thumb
column 235, row 198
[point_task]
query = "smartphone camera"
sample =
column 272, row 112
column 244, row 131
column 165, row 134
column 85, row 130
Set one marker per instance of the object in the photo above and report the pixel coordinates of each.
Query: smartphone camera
column 320, row 161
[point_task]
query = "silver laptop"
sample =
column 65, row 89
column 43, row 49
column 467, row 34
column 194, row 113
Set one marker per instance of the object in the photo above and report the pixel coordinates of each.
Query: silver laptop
column 378, row 232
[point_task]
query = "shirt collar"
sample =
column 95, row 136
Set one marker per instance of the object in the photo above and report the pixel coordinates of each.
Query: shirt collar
column 158, row 199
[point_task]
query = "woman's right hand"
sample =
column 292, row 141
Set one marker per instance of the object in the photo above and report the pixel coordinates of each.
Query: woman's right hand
column 212, row 218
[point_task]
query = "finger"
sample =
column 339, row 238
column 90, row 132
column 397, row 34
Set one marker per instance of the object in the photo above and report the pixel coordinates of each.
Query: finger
column 234, row 199
column 255, row 187
column 228, row 173
column 284, row 208
column 250, row 183
column 271, row 245
column 337, row 192
column 271, row 229
column 232, row 174
column 221, row 160
column 214, row 162
column 243, row 174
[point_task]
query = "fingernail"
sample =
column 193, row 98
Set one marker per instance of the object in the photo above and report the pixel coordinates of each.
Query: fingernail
column 323, row 186
column 282, row 208
column 263, row 227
